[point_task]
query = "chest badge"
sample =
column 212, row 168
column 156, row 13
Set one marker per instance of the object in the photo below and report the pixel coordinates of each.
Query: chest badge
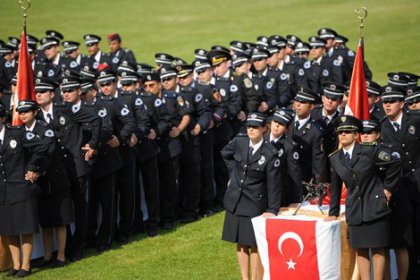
column 261, row 160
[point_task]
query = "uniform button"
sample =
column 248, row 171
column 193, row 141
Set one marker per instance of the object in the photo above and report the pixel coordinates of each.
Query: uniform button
column 242, row 181
column 245, row 165
column 403, row 145
column 354, row 175
column 65, row 155
column 407, row 153
column 59, row 140
column 4, row 180
column 410, row 162
column 413, row 170
column 358, row 198
column 377, row 196
column 240, row 189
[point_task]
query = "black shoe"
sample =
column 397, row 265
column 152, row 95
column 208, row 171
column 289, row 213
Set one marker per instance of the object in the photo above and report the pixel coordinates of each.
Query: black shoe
column 42, row 263
column 189, row 219
column 11, row 273
column 77, row 254
column 218, row 208
column 168, row 226
column 121, row 239
column 102, row 248
column 22, row 273
column 58, row 264
column 208, row 213
column 152, row 232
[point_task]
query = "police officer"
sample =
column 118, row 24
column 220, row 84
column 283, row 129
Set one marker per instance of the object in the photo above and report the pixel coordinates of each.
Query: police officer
column 199, row 120
column 412, row 99
column 119, row 54
column 401, row 129
column 332, row 96
column 254, row 188
column 170, row 145
column 124, row 124
column 308, row 136
column 67, row 118
column 225, row 118
column 96, row 56
column 375, row 106
column 289, row 165
column 368, row 196
column 74, row 59
column 323, row 68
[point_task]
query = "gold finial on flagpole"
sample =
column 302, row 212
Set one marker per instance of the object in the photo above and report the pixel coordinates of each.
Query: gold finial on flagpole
column 361, row 14
column 25, row 5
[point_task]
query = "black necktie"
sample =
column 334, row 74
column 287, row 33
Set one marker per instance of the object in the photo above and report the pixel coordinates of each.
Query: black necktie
column 326, row 121
column 296, row 128
column 50, row 118
column 273, row 142
column 250, row 150
column 348, row 159
column 397, row 126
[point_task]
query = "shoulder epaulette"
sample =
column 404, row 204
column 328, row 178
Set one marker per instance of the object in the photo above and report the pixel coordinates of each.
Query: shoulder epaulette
column 173, row 95
column 241, row 134
column 42, row 123
column 187, row 89
column 107, row 98
column 333, row 153
column 89, row 103
column 60, row 104
column 367, row 143
column 318, row 125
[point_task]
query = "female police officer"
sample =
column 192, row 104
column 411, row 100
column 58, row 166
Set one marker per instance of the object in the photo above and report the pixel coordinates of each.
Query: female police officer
column 253, row 189
column 21, row 158
column 368, row 196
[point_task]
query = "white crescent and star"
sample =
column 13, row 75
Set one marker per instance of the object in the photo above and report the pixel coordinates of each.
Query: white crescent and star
column 291, row 235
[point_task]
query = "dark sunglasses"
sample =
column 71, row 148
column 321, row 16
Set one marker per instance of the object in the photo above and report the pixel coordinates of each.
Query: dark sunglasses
column 105, row 85
column 68, row 90
column 389, row 101
column 167, row 79
column 345, row 132
column 42, row 91
column 201, row 71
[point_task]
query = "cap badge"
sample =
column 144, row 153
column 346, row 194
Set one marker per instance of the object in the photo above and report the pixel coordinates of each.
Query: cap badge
column 261, row 160
column 412, row 130
column 343, row 119
column 388, row 89
column 333, row 87
column 396, row 77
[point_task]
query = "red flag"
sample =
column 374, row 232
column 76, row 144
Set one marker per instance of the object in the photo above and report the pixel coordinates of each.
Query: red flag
column 292, row 249
column 358, row 105
column 25, row 78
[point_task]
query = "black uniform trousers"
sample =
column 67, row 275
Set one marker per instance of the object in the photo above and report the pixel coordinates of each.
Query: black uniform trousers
column 169, row 188
column 126, row 190
column 150, row 175
column 207, row 170
column 103, row 195
column 190, row 184
column 80, row 192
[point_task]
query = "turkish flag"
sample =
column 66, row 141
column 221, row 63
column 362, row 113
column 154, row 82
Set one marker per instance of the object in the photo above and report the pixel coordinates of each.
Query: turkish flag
column 25, row 78
column 357, row 104
column 292, row 249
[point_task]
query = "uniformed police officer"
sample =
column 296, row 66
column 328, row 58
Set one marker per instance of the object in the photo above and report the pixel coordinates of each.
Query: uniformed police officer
column 401, row 129
column 22, row 155
column 68, row 118
column 119, row 54
column 368, row 196
column 289, row 163
column 96, row 56
column 308, row 136
column 254, row 188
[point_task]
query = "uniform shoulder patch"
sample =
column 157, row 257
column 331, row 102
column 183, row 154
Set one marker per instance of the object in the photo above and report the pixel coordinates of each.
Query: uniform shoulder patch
column 283, row 76
column 384, row 156
column 233, row 88
column 180, row 101
column 198, row 97
column 301, row 72
column 350, row 53
column 325, row 73
column 337, row 62
column 158, row 102
column 30, row 136
column 102, row 113
column 49, row 133
column 138, row 101
column 307, row 65
column 248, row 82
column 125, row 111
column 277, row 163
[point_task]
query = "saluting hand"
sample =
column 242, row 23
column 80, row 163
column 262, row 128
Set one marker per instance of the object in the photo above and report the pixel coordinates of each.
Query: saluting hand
column 89, row 152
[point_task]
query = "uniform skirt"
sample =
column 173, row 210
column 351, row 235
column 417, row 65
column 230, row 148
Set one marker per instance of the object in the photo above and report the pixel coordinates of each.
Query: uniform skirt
column 374, row 234
column 55, row 209
column 238, row 229
column 19, row 218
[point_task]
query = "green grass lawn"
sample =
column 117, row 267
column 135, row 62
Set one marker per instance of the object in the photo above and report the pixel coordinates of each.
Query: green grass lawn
column 192, row 251
column 195, row 251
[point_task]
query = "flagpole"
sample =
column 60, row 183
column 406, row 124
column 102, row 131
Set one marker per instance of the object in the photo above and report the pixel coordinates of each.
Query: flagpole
column 25, row 5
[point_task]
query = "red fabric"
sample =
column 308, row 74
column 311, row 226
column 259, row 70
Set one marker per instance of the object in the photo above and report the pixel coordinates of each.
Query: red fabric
column 292, row 249
column 358, row 98
column 25, row 78
column 327, row 198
